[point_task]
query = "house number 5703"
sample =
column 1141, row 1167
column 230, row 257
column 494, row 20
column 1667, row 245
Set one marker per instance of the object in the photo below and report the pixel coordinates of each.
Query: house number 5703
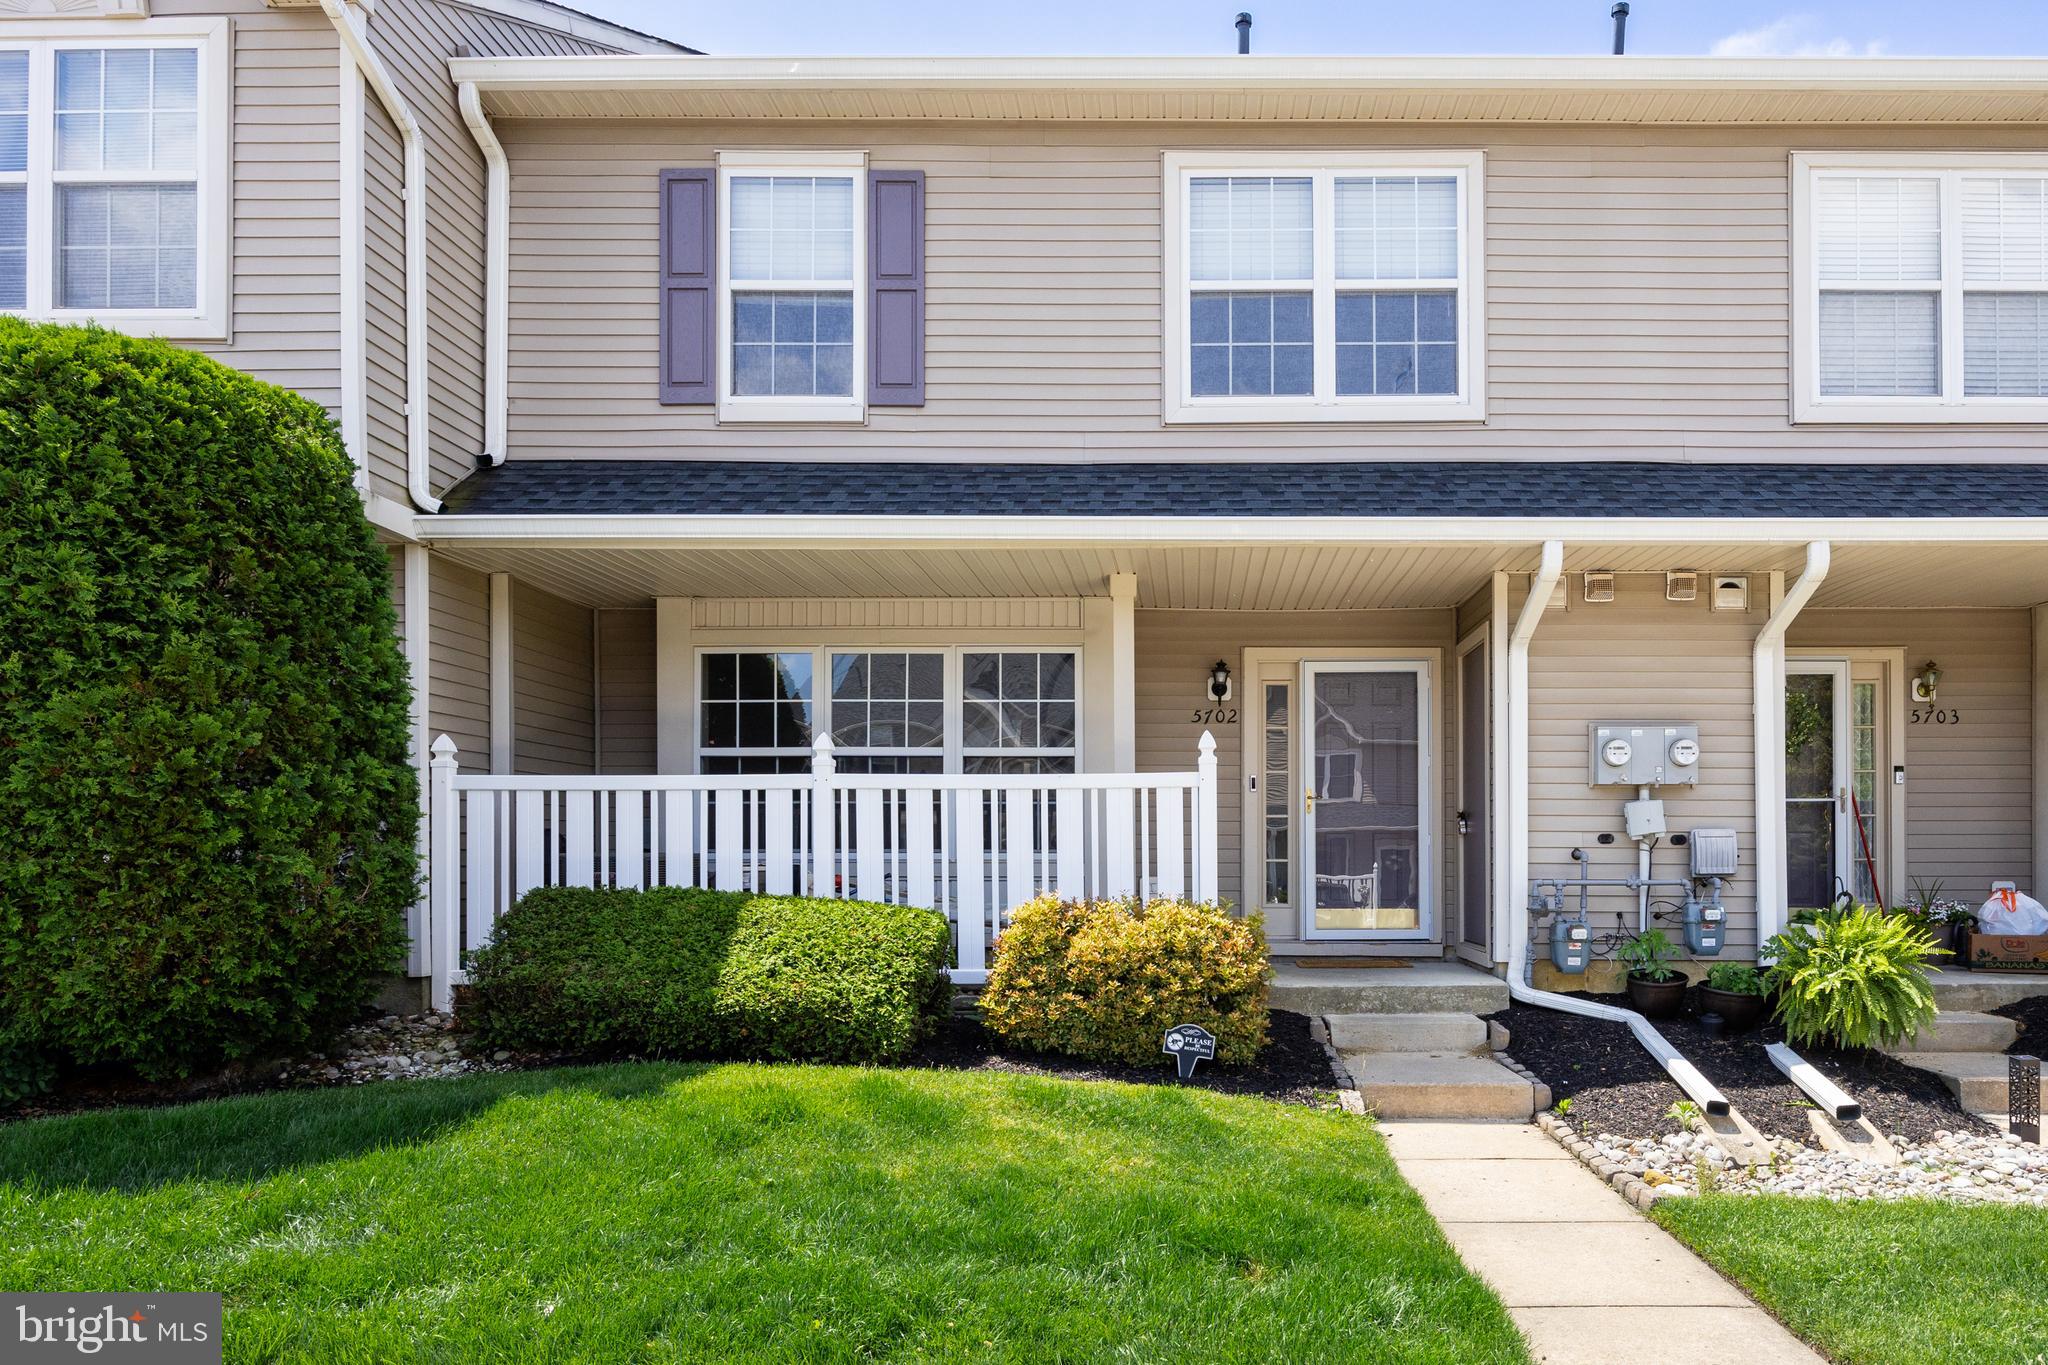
column 1214, row 715
column 1934, row 715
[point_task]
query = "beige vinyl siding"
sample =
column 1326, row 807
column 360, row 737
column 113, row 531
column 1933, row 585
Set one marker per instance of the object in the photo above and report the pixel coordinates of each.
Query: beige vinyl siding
column 1637, row 296
column 459, row 661
column 1641, row 658
column 1969, row 785
column 554, row 709
column 395, row 557
column 384, row 303
column 1175, row 650
column 285, row 288
column 625, row 690
column 415, row 38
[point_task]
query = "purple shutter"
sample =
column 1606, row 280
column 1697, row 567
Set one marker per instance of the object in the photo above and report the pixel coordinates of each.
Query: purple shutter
column 896, row 288
column 689, row 243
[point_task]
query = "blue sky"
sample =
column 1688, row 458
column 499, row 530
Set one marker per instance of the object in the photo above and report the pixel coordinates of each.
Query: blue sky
column 1020, row 27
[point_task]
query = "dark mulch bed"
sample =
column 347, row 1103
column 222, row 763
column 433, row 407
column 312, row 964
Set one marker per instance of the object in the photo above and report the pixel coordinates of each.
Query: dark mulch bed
column 1294, row 1068
column 1617, row 1087
column 2032, row 1017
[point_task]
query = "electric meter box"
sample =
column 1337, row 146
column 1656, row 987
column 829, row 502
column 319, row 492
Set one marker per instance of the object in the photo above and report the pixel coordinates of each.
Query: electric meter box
column 1644, row 753
column 1569, row 941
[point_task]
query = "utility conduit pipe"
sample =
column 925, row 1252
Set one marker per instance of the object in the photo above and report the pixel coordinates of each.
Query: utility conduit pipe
column 497, row 249
column 1688, row 1077
column 1768, row 675
column 367, row 62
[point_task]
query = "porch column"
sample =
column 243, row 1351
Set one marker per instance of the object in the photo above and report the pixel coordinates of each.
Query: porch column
column 2039, row 681
column 674, row 677
column 1109, row 733
column 414, row 564
column 501, row 673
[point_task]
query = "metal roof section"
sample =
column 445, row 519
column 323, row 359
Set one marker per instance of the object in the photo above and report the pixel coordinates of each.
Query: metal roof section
column 1563, row 90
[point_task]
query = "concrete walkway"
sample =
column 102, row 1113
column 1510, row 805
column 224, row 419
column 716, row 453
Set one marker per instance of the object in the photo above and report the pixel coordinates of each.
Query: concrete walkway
column 1587, row 1279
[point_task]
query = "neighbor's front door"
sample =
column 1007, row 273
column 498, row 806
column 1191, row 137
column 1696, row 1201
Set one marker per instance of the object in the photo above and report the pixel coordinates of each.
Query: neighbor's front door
column 1366, row 801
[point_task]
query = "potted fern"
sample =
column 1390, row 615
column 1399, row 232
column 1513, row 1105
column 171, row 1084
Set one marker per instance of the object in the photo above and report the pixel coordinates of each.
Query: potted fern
column 1655, row 988
column 1736, row 992
column 1852, row 979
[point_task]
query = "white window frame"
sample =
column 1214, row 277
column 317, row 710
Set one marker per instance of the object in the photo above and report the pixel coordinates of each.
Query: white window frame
column 1468, row 168
column 208, row 320
column 952, row 753
column 1950, row 405
column 792, row 409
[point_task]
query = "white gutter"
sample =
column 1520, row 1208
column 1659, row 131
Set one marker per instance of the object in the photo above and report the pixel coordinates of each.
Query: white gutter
column 497, row 249
column 1689, row 1079
column 655, row 530
column 352, row 41
column 1768, row 680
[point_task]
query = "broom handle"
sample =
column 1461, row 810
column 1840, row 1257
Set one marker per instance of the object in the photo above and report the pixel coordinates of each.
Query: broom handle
column 1863, row 837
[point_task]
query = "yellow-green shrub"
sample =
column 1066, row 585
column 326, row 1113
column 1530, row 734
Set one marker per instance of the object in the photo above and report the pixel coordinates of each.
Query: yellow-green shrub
column 1104, row 980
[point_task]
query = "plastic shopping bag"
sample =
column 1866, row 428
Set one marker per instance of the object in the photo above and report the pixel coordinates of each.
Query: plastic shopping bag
column 2009, row 912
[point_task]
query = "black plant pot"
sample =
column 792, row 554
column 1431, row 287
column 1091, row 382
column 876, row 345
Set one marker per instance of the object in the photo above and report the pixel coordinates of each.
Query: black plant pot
column 1959, row 943
column 1656, row 999
column 1739, row 1010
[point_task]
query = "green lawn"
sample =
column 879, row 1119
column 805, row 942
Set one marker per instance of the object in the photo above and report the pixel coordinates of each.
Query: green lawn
column 667, row 1212
column 1912, row 1283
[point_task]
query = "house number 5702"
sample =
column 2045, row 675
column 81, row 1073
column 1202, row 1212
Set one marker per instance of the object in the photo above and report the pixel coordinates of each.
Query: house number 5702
column 1214, row 715
column 1934, row 715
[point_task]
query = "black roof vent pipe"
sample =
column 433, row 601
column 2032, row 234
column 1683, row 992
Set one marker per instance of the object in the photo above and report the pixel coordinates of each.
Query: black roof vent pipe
column 1244, row 34
column 1620, row 16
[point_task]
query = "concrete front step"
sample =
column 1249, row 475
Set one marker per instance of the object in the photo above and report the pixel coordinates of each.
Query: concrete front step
column 1422, row 988
column 1978, row 1080
column 1965, row 990
column 1440, row 1085
column 1962, row 1031
column 1406, row 1032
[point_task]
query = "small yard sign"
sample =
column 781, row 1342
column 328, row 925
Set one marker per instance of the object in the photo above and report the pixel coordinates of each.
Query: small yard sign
column 1188, row 1044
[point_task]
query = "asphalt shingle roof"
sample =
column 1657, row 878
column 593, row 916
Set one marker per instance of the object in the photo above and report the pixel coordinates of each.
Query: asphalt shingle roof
column 523, row 487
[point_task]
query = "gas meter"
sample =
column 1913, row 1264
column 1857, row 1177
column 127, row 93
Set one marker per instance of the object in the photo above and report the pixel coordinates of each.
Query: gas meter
column 1569, row 942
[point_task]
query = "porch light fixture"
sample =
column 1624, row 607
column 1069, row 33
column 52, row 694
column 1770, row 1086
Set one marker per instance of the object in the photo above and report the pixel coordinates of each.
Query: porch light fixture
column 1926, row 680
column 1219, row 681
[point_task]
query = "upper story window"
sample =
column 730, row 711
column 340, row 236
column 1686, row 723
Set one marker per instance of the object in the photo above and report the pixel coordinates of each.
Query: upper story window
column 1920, row 288
column 792, row 304
column 1333, row 288
column 113, row 182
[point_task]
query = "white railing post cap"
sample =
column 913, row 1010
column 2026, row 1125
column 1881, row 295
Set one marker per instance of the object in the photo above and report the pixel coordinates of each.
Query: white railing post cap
column 821, row 754
column 444, row 750
column 1207, row 745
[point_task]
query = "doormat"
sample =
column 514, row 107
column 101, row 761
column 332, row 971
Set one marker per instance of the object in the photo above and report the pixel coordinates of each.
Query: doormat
column 1351, row 962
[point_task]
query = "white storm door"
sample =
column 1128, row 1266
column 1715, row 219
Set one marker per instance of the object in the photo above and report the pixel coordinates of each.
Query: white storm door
column 1367, row 810
column 1820, row 833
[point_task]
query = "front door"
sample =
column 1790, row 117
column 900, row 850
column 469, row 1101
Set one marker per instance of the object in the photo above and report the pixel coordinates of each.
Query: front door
column 1366, row 807
column 1820, row 833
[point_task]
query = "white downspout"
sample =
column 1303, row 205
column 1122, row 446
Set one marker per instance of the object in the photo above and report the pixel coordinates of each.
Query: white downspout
column 1768, row 675
column 416, row 471
column 497, row 250
column 1689, row 1079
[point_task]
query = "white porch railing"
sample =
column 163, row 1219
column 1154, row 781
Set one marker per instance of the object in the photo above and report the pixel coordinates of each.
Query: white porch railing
column 973, row 847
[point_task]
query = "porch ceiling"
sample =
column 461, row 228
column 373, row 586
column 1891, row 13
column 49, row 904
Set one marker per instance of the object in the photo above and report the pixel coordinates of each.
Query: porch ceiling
column 1279, row 577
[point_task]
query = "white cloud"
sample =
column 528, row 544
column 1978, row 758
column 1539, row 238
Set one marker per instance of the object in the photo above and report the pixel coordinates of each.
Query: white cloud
column 1792, row 36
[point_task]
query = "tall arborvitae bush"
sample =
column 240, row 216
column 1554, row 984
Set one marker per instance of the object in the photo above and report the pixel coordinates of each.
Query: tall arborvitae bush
column 206, row 809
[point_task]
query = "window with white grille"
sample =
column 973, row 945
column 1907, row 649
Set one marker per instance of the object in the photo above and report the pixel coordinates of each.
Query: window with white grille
column 113, row 177
column 1920, row 289
column 1340, row 288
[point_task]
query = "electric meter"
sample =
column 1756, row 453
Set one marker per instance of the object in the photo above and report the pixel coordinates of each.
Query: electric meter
column 1617, row 753
column 1684, row 752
